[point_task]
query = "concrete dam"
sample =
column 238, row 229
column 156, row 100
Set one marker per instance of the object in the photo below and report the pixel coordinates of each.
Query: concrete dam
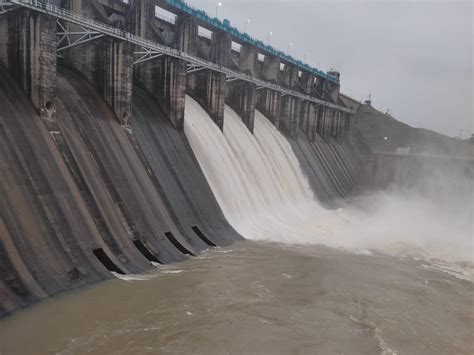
column 121, row 136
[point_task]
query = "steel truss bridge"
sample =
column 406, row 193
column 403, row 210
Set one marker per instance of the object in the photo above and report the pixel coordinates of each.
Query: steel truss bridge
column 87, row 30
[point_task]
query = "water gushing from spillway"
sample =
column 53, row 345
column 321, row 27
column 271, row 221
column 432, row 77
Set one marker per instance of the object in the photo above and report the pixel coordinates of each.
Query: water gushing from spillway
column 264, row 194
column 255, row 178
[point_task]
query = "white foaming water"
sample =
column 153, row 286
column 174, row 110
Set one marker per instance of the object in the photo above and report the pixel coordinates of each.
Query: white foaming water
column 264, row 194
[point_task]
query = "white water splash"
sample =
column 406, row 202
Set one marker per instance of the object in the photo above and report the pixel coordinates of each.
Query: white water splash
column 258, row 183
column 133, row 277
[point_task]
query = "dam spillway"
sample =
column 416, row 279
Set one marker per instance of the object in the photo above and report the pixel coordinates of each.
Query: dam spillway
column 97, row 173
column 256, row 178
column 115, row 157
column 93, row 185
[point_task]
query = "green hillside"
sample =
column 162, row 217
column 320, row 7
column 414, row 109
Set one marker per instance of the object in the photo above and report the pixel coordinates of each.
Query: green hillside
column 383, row 133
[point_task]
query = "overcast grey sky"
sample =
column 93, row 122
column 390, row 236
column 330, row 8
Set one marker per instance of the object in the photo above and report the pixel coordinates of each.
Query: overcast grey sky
column 414, row 57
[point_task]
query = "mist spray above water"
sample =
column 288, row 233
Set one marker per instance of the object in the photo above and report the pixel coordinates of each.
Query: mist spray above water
column 264, row 194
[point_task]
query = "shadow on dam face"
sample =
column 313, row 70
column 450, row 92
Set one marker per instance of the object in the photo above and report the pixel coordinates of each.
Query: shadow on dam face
column 105, row 260
column 177, row 244
column 203, row 237
column 144, row 250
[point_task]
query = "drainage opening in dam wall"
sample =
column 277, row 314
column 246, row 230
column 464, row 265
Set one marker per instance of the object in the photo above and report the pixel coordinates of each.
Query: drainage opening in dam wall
column 177, row 244
column 144, row 250
column 105, row 260
column 201, row 235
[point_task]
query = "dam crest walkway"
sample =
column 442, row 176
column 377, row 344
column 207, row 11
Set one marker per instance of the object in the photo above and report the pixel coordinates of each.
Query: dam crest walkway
column 151, row 50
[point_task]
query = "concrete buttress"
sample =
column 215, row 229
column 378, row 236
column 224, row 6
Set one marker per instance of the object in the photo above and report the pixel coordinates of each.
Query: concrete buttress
column 248, row 60
column 29, row 52
column 289, row 76
column 270, row 70
column 207, row 86
column 309, row 118
column 163, row 77
column 242, row 97
column 106, row 63
column 290, row 115
column 269, row 104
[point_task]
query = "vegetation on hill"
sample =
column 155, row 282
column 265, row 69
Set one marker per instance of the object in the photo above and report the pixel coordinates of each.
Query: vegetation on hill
column 383, row 133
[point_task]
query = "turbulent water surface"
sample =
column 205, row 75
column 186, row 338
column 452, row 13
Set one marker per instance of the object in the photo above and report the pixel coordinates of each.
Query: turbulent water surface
column 391, row 273
column 264, row 194
column 257, row 298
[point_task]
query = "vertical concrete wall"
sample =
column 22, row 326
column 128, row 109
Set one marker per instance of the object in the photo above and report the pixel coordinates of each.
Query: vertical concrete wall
column 116, row 78
column 306, row 82
column 340, row 132
column 309, row 117
column 89, row 8
column 289, row 76
column 108, row 65
column 327, row 122
column 107, row 62
column 186, row 33
column 172, row 89
column 290, row 114
column 269, row 103
column 248, row 60
column 208, row 87
column 165, row 80
column 322, row 116
column 221, row 47
column 332, row 90
column 271, row 69
column 209, row 90
column 140, row 17
column 4, row 40
column 242, row 97
column 28, row 48
column 164, row 77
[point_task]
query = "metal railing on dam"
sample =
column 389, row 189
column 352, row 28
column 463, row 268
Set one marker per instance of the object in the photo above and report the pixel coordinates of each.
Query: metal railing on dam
column 155, row 49
column 5, row 6
column 245, row 38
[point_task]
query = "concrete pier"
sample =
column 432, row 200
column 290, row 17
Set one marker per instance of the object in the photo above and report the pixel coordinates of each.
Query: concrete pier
column 106, row 62
column 164, row 77
column 269, row 103
column 290, row 115
column 28, row 49
column 309, row 118
column 248, row 60
column 270, row 69
column 242, row 97
column 289, row 76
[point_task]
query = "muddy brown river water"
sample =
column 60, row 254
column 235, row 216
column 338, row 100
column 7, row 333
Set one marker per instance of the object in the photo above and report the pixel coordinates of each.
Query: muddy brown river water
column 257, row 298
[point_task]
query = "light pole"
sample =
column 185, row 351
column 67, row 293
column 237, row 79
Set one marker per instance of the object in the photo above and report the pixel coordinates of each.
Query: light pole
column 304, row 58
column 288, row 49
column 219, row 4
column 269, row 35
column 245, row 26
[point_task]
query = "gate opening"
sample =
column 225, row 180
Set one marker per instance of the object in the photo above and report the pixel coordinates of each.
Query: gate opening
column 145, row 252
column 177, row 244
column 105, row 260
column 202, row 236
